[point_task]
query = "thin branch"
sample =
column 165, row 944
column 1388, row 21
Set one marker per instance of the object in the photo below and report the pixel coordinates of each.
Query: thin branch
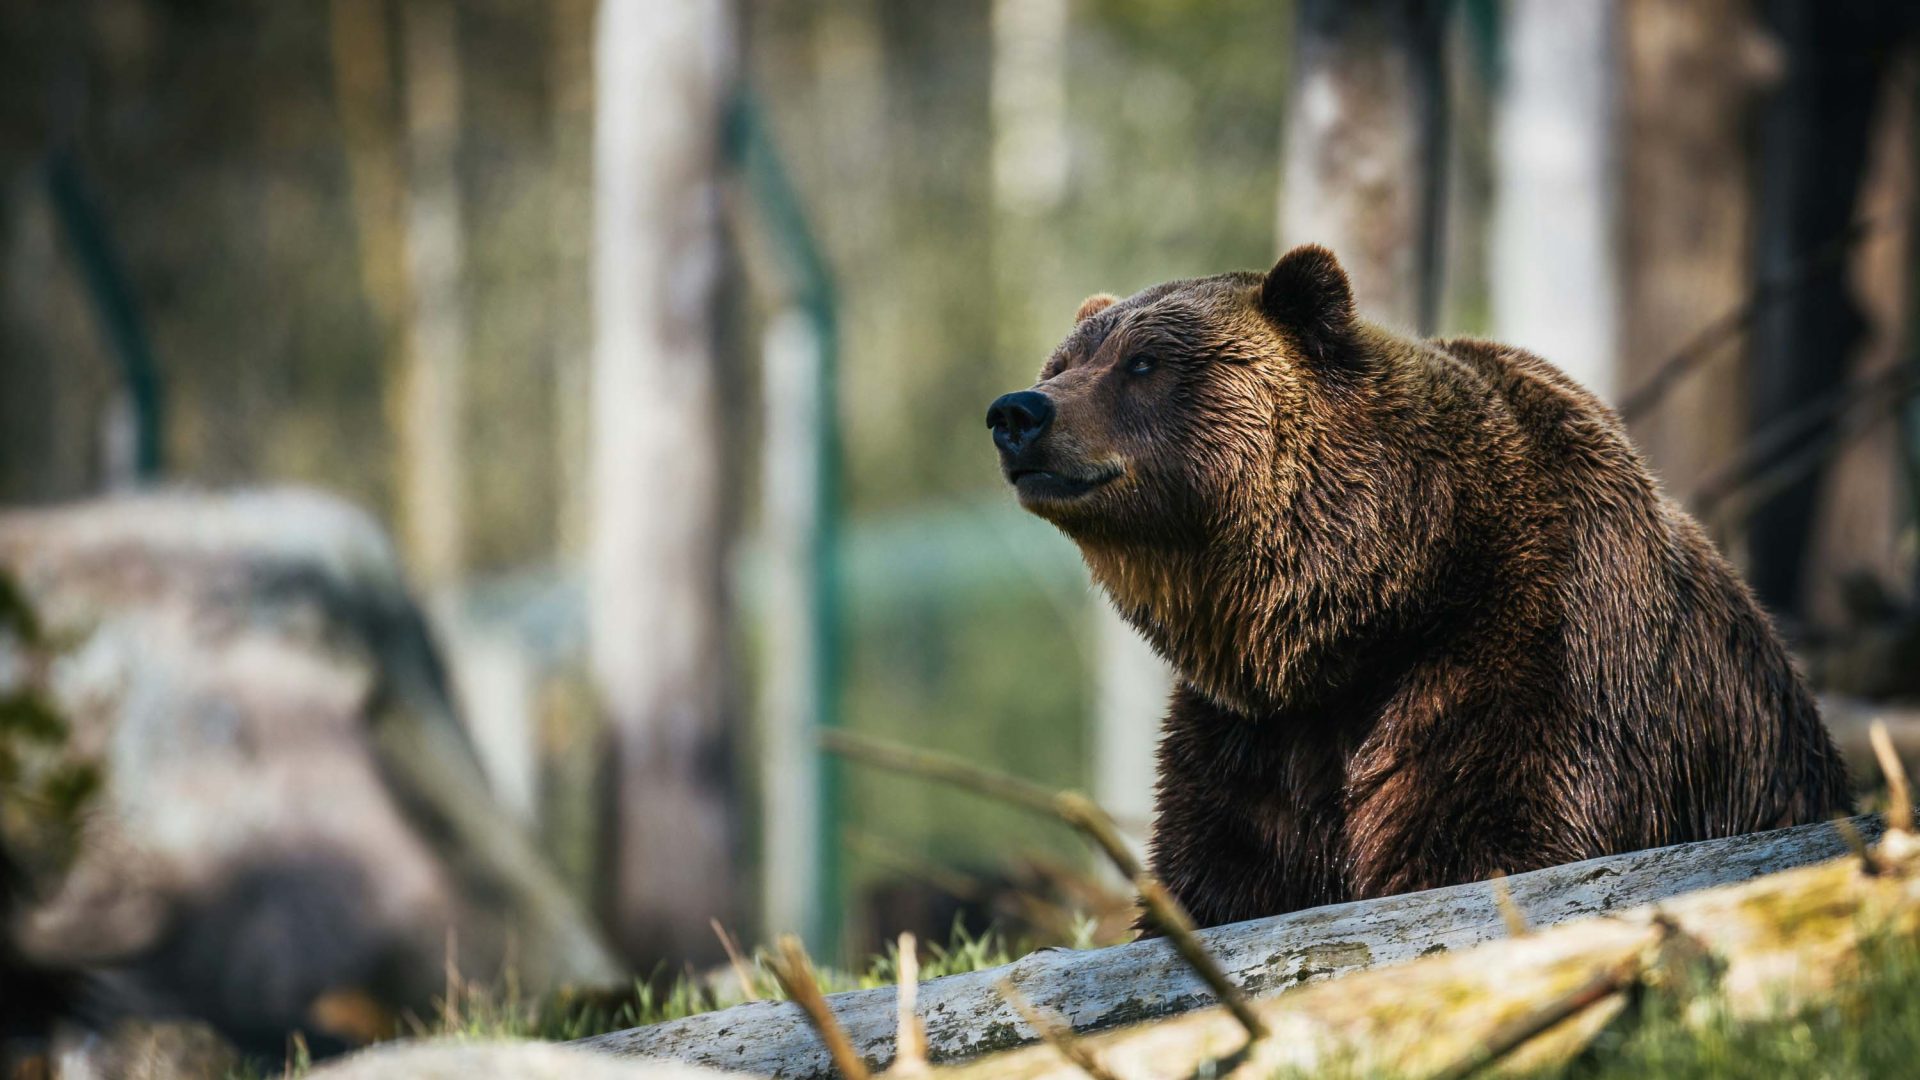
column 1730, row 325
column 1784, row 433
column 910, row 1043
column 1510, row 912
column 1172, row 919
column 1083, row 814
column 738, row 962
column 795, row 973
column 1070, row 807
column 1869, row 862
column 1612, row 980
column 1899, row 795
column 1751, row 496
column 1055, row 1030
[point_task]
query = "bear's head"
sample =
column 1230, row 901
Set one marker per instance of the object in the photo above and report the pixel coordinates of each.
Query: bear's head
column 1214, row 446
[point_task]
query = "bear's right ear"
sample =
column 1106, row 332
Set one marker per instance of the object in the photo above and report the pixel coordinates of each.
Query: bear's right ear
column 1307, row 296
column 1094, row 305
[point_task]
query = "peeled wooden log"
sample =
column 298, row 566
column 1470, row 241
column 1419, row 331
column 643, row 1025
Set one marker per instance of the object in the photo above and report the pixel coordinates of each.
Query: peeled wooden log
column 1768, row 947
column 966, row 1015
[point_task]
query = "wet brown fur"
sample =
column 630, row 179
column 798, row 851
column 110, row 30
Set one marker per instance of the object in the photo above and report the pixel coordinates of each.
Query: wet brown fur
column 1432, row 617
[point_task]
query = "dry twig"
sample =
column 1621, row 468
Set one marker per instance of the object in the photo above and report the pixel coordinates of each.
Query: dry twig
column 1510, row 912
column 1055, row 1030
column 795, row 973
column 736, row 961
column 1083, row 814
column 910, row 1044
column 1172, row 919
column 1611, row 980
column 1899, row 796
column 1869, row 862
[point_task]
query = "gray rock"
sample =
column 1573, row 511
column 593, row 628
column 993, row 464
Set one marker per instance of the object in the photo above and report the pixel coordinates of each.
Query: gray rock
column 291, row 807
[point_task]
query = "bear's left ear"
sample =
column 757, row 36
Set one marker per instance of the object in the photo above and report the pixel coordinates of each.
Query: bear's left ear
column 1307, row 296
column 1094, row 305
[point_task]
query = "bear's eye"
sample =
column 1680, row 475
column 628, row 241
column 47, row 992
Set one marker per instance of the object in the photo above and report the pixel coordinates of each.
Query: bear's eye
column 1140, row 365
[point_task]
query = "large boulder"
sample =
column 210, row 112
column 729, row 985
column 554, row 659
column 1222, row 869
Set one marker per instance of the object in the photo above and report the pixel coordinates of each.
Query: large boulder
column 289, row 812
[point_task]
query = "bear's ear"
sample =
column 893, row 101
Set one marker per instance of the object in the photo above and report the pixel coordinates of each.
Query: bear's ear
column 1094, row 305
column 1307, row 296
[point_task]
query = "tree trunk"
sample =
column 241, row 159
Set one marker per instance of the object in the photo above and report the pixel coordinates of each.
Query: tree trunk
column 432, row 454
column 1362, row 150
column 657, row 549
column 1813, row 152
column 1553, row 271
column 1691, row 69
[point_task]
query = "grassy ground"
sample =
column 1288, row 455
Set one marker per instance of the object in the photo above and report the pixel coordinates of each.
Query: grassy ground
column 1870, row 1030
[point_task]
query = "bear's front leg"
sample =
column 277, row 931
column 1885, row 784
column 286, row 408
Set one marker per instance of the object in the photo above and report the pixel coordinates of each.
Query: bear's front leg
column 1249, row 816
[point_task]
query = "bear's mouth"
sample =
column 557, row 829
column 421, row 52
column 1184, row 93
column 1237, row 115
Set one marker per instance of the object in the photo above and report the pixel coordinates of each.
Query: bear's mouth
column 1046, row 484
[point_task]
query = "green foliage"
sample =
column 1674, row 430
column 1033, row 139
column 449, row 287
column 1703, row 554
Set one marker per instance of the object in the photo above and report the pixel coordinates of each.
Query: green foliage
column 44, row 785
column 473, row 1011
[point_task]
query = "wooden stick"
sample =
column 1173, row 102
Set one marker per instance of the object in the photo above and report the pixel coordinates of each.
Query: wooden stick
column 1173, row 920
column 1083, row 814
column 1055, row 1030
column 738, row 962
column 1510, row 912
column 910, row 1043
column 1609, row 981
column 795, row 973
column 1869, row 862
column 1899, row 797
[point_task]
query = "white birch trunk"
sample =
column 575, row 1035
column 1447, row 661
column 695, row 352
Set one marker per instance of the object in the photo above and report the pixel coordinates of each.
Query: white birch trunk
column 663, row 68
column 1553, row 272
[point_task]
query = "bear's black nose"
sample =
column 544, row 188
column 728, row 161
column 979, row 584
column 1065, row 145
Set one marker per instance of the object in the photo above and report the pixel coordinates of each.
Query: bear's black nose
column 1017, row 419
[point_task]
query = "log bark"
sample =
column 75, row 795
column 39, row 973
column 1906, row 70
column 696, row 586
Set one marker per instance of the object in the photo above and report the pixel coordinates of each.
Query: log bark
column 965, row 1015
column 1766, row 948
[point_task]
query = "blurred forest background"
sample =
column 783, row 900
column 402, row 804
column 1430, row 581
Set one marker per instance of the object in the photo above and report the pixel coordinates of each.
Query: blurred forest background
column 659, row 336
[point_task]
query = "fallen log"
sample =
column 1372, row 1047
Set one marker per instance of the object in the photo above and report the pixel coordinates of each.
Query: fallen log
column 966, row 1015
column 1762, row 948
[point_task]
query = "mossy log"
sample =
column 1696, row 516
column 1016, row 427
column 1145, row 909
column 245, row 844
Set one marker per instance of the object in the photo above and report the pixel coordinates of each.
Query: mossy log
column 1765, row 947
column 965, row 1015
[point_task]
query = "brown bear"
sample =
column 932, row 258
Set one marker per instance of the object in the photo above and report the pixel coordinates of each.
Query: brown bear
column 1432, row 617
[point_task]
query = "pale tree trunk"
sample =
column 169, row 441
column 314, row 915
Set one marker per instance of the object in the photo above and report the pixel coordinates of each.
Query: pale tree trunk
column 1552, row 267
column 433, row 479
column 1362, row 149
column 657, row 551
column 1691, row 70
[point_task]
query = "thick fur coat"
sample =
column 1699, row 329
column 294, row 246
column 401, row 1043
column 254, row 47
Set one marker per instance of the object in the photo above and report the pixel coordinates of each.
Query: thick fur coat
column 1432, row 617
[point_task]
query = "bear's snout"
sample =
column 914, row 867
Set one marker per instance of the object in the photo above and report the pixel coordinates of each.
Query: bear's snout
column 1019, row 419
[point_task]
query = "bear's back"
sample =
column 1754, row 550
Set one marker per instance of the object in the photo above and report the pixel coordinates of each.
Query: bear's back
column 1670, row 662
